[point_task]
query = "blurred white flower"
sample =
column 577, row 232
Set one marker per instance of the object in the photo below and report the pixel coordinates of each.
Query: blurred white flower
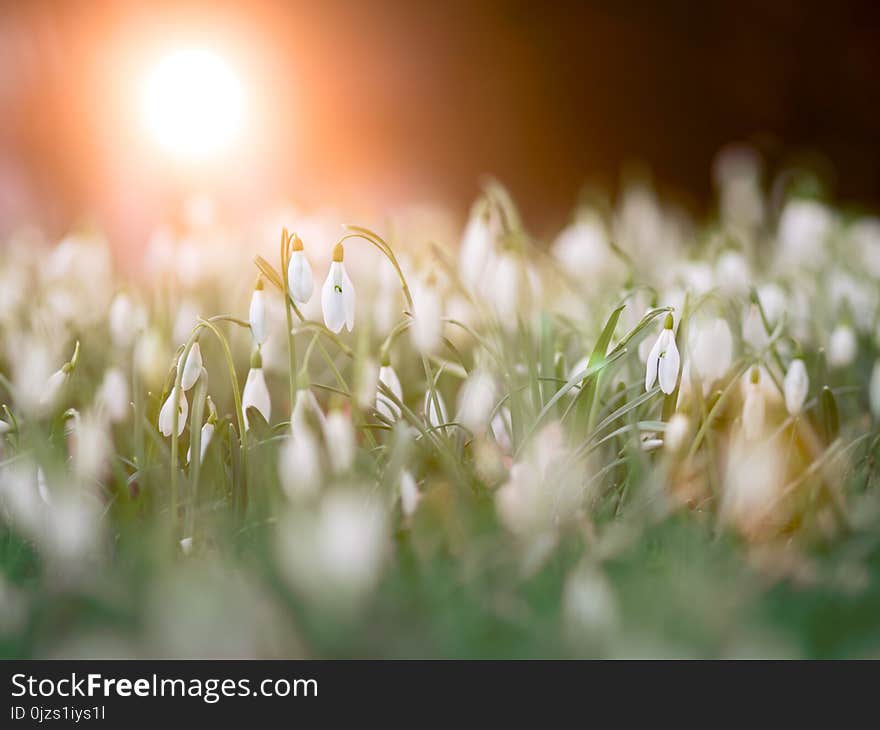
column 305, row 409
column 126, row 320
column 476, row 247
column 166, row 414
column 256, row 395
column 299, row 465
column 54, row 385
column 874, row 390
column 583, row 251
column 340, row 440
column 299, row 274
column 773, row 301
column 677, row 430
column 384, row 405
column 711, row 350
column 865, row 238
column 92, row 449
column 589, row 607
column 192, row 368
column 753, row 331
column 796, row 386
column 732, row 273
column 337, row 295
column 506, row 289
column 409, row 494
column 501, row 429
column 112, row 398
column 257, row 314
column 475, row 401
column 842, row 346
column 663, row 360
column 753, row 407
column 204, row 441
column 426, row 330
column 151, row 357
column 753, row 480
column 804, row 228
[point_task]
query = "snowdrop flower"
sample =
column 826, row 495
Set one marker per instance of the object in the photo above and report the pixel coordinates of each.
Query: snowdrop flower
column 475, row 401
column 166, row 414
column 677, row 430
column 299, row 273
column 192, row 368
column 753, row 330
column 663, row 360
column 842, row 346
column 58, row 379
column 434, row 418
column 711, row 350
column 582, row 249
column 337, row 296
column 207, row 433
column 112, row 395
column 299, row 465
column 257, row 314
column 804, row 227
column 306, row 404
column 426, row 330
column 5, row 427
column 476, row 247
column 409, row 494
column 125, row 319
column 753, row 408
column 796, row 386
column 387, row 408
column 501, row 429
column 874, row 390
column 339, row 437
column 256, row 393
column 732, row 273
column 507, row 287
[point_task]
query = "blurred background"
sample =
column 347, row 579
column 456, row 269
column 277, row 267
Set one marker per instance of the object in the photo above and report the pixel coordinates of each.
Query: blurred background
column 373, row 105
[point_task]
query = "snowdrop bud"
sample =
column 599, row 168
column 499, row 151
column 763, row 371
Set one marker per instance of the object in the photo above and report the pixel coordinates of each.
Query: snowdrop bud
column 663, row 360
column 299, row 465
column 257, row 314
column 299, row 273
column 166, row 414
column 339, row 437
column 753, row 330
column 874, row 390
column 677, row 430
column 434, row 418
column 386, row 407
column 337, row 295
column 192, row 368
column 796, row 386
column 753, row 408
column 476, row 247
column 112, row 395
column 256, row 394
column 475, row 401
column 842, row 346
column 409, row 494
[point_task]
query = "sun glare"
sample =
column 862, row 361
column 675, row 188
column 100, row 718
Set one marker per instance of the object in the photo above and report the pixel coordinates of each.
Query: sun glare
column 193, row 104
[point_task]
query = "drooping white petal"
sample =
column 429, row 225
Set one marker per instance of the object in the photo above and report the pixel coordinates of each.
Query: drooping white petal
column 476, row 248
column 332, row 298
column 842, row 346
column 386, row 407
column 432, row 416
column 166, row 414
column 348, row 299
column 409, row 494
column 475, row 401
column 653, row 362
column 753, row 412
column 192, row 369
column 299, row 465
column 669, row 364
column 299, row 277
column 796, row 386
column 112, row 396
column 339, row 437
column 257, row 317
column 207, row 435
column 256, row 395
column 53, row 388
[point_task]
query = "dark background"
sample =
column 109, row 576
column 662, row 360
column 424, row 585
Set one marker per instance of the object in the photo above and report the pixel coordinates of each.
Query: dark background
column 386, row 102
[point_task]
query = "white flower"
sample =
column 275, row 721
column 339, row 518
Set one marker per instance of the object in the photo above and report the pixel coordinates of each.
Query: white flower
column 299, row 464
column 804, row 227
column 299, row 274
column 677, row 430
column 337, row 296
column 501, row 429
column 339, row 437
column 711, row 346
column 842, row 346
column 874, row 390
column 256, row 395
column 753, row 408
column 582, row 250
column 475, row 401
column 112, row 395
column 663, row 360
column 507, row 288
column 796, row 386
column 732, row 273
column 305, row 403
column 426, row 330
column 409, row 494
column 257, row 315
column 753, row 330
column 476, row 248
column 207, row 435
column 384, row 405
column 54, row 386
column 4, row 427
column 434, row 418
column 126, row 320
column 166, row 415
column 192, row 368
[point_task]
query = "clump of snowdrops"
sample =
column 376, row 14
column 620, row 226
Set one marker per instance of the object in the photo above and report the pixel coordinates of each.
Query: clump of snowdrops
column 357, row 443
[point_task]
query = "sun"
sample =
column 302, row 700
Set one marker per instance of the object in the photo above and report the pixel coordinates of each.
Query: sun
column 193, row 104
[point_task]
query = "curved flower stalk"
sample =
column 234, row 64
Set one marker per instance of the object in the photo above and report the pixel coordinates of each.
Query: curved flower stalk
column 300, row 282
column 663, row 360
column 337, row 295
column 256, row 393
column 257, row 314
column 796, row 386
